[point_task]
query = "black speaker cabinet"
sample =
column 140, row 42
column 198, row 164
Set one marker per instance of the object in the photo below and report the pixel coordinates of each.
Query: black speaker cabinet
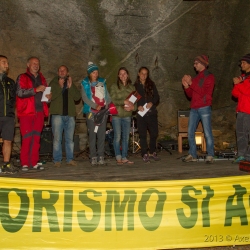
column 46, row 143
column 183, row 117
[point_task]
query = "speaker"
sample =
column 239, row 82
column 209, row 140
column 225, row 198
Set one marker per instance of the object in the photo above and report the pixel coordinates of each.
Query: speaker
column 46, row 143
column 183, row 117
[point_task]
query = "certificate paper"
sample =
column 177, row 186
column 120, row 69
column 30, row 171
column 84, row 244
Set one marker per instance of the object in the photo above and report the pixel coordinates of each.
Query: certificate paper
column 142, row 113
column 46, row 92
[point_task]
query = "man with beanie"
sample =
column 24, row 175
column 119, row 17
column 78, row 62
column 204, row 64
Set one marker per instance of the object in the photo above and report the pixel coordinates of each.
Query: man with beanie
column 63, row 111
column 200, row 90
column 95, row 96
column 241, row 91
column 7, row 113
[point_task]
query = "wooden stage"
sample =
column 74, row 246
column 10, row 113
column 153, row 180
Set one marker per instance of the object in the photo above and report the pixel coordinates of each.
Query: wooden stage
column 170, row 167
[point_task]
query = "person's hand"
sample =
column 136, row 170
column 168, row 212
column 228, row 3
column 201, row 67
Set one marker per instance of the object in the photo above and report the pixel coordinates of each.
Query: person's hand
column 128, row 106
column 237, row 79
column 69, row 82
column 186, row 81
column 140, row 108
column 98, row 107
column 49, row 96
column 40, row 88
column 149, row 105
column 61, row 82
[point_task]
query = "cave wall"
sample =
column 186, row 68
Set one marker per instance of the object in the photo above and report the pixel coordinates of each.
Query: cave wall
column 164, row 35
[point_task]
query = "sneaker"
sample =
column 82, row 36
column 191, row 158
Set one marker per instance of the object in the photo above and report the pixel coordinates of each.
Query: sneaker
column 8, row 169
column 72, row 163
column 239, row 159
column 57, row 164
column 209, row 159
column 94, row 161
column 25, row 168
column 145, row 158
column 154, row 157
column 38, row 167
column 101, row 161
column 189, row 158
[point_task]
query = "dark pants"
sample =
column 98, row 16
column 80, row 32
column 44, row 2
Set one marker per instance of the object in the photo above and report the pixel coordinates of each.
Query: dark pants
column 96, row 139
column 243, row 132
column 150, row 123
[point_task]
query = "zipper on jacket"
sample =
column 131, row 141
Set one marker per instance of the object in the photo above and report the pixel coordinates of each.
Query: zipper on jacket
column 4, row 99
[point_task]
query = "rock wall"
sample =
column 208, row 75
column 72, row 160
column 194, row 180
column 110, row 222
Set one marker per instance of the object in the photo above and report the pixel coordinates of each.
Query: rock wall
column 164, row 35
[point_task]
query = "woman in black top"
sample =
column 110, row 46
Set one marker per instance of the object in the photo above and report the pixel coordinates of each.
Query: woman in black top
column 149, row 99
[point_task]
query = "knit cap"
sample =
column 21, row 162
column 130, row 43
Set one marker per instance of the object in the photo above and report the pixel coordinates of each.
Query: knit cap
column 202, row 60
column 246, row 58
column 91, row 67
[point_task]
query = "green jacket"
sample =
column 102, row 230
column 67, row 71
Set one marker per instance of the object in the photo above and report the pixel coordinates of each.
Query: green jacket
column 56, row 104
column 118, row 96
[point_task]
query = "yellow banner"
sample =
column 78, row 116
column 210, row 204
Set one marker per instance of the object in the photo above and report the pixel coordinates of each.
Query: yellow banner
column 42, row 214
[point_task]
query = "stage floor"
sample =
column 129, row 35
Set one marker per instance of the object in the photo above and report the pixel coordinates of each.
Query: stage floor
column 170, row 167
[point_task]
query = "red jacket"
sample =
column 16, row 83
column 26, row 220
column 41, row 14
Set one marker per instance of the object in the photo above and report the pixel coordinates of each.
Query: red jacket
column 242, row 92
column 201, row 90
column 25, row 100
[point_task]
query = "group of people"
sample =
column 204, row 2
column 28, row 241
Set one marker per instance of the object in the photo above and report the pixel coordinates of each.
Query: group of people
column 25, row 95
column 200, row 90
column 96, row 96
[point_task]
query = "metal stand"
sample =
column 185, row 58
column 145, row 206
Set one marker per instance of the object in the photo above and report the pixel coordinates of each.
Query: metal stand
column 135, row 144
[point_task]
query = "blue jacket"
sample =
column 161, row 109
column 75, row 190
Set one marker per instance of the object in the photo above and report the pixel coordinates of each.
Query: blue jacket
column 87, row 94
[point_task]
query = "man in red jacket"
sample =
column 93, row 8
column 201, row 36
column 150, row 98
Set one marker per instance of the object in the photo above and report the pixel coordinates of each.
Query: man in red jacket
column 31, row 112
column 200, row 90
column 241, row 91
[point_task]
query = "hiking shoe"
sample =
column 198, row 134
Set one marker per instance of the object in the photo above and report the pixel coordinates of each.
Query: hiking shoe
column 239, row 159
column 72, row 163
column 94, row 161
column 57, row 164
column 154, row 157
column 8, row 169
column 145, row 158
column 38, row 167
column 209, row 159
column 101, row 161
column 189, row 158
column 25, row 168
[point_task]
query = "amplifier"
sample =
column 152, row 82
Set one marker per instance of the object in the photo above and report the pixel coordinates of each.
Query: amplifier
column 46, row 143
column 183, row 117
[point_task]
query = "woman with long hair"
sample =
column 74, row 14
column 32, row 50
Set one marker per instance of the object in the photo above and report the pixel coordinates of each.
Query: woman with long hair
column 149, row 121
column 121, row 123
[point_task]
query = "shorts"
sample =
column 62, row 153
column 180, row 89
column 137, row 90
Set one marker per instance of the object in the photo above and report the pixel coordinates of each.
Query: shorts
column 7, row 128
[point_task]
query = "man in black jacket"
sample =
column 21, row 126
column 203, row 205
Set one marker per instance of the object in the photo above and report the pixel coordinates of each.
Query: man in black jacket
column 7, row 113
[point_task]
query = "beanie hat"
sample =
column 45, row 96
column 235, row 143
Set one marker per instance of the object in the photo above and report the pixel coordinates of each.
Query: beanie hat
column 246, row 58
column 91, row 67
column 202, row 60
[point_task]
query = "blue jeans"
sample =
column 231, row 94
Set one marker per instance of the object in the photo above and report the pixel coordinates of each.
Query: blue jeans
column 121, row 128
column 203, row 114
column 62, row 124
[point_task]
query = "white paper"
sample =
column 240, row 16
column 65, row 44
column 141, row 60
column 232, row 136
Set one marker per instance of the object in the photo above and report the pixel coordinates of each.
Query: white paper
column 96, row 129
column 46, row 92
column 132, row 99
column 142, row 113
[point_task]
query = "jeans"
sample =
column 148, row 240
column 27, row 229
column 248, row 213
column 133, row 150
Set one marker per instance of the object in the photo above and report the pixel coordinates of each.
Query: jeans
column 62, row 124
column 121, row 128
column 243, row 134
column 203, row 114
